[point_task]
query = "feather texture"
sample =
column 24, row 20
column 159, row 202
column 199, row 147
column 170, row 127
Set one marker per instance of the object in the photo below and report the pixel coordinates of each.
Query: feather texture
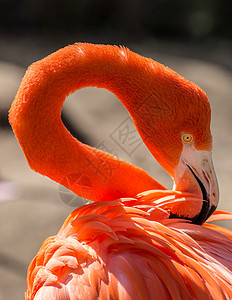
column 126, row 249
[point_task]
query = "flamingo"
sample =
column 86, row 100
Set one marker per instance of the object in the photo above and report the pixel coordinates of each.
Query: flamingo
column 137, row 240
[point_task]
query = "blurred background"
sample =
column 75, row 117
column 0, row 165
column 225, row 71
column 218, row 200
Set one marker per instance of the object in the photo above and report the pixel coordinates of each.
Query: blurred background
column 192, row 37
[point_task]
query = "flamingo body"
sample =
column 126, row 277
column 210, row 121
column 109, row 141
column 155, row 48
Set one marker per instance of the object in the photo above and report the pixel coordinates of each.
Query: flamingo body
column 130, row 249
column 138, row 240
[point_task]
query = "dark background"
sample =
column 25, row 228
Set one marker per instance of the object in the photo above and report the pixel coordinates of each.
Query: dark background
column 193, row 37
column 119, row 20
column 54, row 23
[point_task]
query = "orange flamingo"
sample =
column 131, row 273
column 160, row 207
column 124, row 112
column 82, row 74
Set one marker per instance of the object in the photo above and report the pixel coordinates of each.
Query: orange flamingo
column 137, row 240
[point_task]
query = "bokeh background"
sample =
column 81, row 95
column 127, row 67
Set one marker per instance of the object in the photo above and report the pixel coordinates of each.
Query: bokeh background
column 192, row 37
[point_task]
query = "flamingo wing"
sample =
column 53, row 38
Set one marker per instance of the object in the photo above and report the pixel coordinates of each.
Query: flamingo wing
column 129, row 249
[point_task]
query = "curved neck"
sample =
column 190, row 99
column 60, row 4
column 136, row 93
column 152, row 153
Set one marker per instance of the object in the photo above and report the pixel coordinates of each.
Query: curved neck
column 49, row 147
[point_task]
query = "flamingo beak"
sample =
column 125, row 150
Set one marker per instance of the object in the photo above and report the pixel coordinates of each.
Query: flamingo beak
column 195, row 174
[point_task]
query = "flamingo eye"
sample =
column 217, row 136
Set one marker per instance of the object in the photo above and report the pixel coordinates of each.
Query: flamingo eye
column 186, row 138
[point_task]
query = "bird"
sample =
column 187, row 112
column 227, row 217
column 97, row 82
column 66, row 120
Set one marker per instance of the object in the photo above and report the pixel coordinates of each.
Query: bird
column 136, row 239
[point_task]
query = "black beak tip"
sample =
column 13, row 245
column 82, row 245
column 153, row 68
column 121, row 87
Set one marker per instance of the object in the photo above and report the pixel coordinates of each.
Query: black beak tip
column 206, row 210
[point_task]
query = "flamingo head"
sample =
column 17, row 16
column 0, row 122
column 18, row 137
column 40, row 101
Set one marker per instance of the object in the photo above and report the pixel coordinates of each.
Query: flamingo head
column 171, row 114
column 175, row 125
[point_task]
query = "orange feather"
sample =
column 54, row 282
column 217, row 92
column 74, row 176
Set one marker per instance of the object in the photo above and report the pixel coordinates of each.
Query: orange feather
column 142, row 257
column 128, row 244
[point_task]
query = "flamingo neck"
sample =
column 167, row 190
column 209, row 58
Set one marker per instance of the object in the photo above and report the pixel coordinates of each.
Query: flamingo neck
column 49, row 147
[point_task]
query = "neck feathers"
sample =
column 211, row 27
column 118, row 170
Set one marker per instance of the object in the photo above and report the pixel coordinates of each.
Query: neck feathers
column 49, row 147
